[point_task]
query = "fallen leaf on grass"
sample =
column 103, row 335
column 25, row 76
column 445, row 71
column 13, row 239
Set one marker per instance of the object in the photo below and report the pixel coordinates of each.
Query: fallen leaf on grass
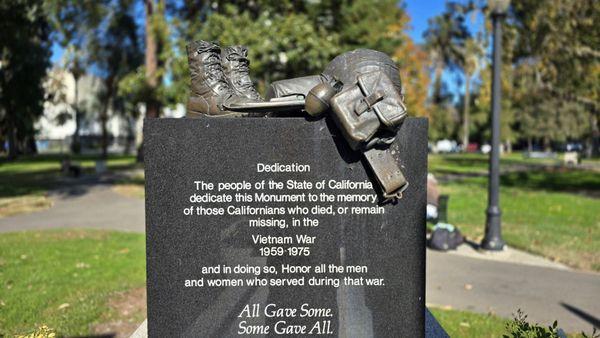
column 82, row 265
column 63, row 306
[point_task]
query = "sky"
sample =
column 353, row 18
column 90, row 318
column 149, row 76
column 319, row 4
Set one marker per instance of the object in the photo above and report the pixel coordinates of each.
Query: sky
column 420, row 11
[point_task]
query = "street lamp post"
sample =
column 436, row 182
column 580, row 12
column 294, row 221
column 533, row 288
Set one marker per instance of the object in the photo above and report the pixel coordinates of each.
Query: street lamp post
column 493, row 233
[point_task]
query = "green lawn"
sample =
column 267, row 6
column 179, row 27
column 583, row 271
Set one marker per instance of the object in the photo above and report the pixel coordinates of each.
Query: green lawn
column 36, row 174
column 24, row 182
column 548, row 211
column 131, row 186
column 469, row 324
column 475, row 163
column 65, row 278
column 464, row 163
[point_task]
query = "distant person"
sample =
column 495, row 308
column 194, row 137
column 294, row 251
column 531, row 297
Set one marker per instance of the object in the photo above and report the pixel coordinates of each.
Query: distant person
column 433, row 197
column 444, row 236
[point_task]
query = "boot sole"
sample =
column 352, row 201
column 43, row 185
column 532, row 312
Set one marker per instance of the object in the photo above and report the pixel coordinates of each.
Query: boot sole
column 196, row 114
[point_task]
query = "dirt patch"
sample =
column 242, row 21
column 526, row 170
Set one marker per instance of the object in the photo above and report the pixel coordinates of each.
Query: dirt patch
column 127, row 312
column 72, row 234
column 10, row 206
column 129, row 190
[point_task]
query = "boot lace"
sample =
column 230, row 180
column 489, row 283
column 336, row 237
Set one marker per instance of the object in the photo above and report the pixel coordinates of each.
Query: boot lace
column 241, row 66
column 213, row 68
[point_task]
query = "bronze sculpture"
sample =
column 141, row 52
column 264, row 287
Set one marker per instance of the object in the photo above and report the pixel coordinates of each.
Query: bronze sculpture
column 210, row 89
column 237, row 72
column 361, row 89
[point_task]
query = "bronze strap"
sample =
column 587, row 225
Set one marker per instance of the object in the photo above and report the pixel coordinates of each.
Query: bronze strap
column 389, row 176
column 367, row 102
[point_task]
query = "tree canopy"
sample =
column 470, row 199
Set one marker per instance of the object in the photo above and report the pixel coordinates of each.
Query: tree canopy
column 24, row 58
column 550, row 76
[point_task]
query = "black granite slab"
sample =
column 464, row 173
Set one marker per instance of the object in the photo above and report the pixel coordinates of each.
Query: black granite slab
column 391, row 245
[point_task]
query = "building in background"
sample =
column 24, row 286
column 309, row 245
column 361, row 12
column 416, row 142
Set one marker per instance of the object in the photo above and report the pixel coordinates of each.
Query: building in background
column 55, row 129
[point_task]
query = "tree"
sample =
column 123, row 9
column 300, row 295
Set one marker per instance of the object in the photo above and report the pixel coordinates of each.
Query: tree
column 115, row 54
column 445, row 38
column 24, row 58
column 412, row 61
column 289, row 38
column 557, row 60
column 445, row 43
column 444, row 117
column 470, row 62
column 75, row 67
column 480, row 118
column 74, row 23
column 156, row 32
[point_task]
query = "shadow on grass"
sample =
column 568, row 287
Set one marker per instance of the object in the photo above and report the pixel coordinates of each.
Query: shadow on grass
column 38, row 174
column 567, row 180
column 135, row 180
column 560, row 179
column 19, row 184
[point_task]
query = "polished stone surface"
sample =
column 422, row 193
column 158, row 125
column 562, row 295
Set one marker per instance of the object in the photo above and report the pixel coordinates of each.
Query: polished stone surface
column 179, row 151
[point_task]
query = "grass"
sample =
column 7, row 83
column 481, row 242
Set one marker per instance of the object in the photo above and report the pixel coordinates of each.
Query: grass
column 25, row 181
column 23, row 204
column 64, row 278
column 36, row 174
column 562, row 226
column 550, row 211
column 469, row 324
column 475, row 163
column 131, row 187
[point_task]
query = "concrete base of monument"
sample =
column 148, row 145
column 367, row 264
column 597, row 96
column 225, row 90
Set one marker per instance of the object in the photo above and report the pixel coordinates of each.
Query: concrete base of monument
column 433, row 329
column 142, row 331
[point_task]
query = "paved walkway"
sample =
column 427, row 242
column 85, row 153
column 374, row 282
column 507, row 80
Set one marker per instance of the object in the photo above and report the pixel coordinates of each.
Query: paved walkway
column 543, row 293
column 90, row 205
column 463, row 280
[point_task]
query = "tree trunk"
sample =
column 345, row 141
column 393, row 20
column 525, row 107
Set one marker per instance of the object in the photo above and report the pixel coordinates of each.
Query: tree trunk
column 152, row 107
column 437, row 83
column 12, row 139
column 151, row 62
column 104, row 116
column 103, row 124
column 76, row 145
column 129, row 142
column 594, row 135
column 546, row 141
column 508, row 146
column 104, row 120
column 467, row 98
column 31, row 146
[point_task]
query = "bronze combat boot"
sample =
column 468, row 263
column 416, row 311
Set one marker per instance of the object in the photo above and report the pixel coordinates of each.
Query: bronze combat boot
column 210, row 92
column 236, row 66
